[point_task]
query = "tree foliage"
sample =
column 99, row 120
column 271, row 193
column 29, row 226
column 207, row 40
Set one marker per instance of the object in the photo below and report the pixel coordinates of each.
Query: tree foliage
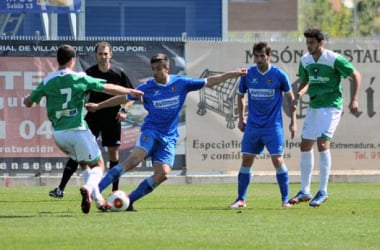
column 341, row 23
column 368, row 18
column 320, row 13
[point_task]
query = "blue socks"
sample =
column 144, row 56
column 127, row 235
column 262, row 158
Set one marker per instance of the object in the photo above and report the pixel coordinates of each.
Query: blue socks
column 112, row 175
column 244, row 179
column 245, row 176
column 144, row 188
column 282, row 177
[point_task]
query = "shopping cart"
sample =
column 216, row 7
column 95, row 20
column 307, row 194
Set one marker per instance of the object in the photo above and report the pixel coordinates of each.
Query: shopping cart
column 220, row 99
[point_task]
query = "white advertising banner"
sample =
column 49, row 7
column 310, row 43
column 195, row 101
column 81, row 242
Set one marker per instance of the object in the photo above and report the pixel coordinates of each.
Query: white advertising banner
column 213, row 139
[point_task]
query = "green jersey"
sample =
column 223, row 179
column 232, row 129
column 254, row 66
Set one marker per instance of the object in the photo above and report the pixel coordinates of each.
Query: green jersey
column 65, row 92
column 324, row 78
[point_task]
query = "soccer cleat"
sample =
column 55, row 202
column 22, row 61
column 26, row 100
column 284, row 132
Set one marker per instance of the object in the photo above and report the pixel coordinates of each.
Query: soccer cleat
column 238, row 204
column 86, row 200
column 300, row 197
column 286, row 205
column 115, row 186
column 130, row 208
column 103, row 205
column 56, row 193
column 318, row 199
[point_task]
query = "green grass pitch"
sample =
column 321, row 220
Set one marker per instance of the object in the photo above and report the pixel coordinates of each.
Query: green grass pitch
column 193, row 217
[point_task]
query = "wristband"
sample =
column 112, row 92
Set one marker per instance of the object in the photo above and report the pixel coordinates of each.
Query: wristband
column 123, row 110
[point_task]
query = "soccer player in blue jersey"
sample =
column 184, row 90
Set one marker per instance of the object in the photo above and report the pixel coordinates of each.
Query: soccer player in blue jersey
column 320, row 71
column 264, row 85
column 164, row 96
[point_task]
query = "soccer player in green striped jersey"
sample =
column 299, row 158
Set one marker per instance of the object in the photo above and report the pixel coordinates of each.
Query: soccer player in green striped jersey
column 320, row 72
column 65, row 91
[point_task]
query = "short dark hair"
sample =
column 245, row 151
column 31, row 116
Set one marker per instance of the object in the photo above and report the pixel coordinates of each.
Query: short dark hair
column 160, row 58
column 65, row 53
column 314, row 33
column 102, row 44
column 262, row 45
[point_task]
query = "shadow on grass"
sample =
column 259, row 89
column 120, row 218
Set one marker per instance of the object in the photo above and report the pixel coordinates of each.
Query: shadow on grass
column 38, row 201
column 16, row 216
column 57, row 214
column 40, row 214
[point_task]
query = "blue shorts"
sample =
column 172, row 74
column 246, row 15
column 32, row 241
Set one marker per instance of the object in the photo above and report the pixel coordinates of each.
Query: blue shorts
column 160, row 148
column 255, row 139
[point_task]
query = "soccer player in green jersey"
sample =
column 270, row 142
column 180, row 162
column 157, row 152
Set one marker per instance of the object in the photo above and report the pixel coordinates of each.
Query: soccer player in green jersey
column 65, row 92
column 104, row 123
column 320, row 72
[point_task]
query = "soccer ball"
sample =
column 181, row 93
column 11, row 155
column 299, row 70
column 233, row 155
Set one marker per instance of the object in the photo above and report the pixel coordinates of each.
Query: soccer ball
column 119, row 200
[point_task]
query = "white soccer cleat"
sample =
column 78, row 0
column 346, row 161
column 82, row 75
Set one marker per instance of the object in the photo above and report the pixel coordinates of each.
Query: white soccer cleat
column 238, row 204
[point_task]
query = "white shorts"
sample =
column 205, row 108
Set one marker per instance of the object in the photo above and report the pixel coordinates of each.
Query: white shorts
column 80, row 145
column 321, row 122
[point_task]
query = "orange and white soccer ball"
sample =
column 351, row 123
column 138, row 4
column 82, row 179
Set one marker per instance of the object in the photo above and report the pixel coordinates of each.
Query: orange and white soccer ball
column 119, row 200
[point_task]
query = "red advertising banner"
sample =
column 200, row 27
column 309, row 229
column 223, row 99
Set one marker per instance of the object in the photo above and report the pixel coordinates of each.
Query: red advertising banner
column 24, row 132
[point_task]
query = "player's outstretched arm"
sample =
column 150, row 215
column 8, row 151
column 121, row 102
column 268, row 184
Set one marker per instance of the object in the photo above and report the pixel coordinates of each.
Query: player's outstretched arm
column 219, row 78
column 113, row 89
column 111, row 102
